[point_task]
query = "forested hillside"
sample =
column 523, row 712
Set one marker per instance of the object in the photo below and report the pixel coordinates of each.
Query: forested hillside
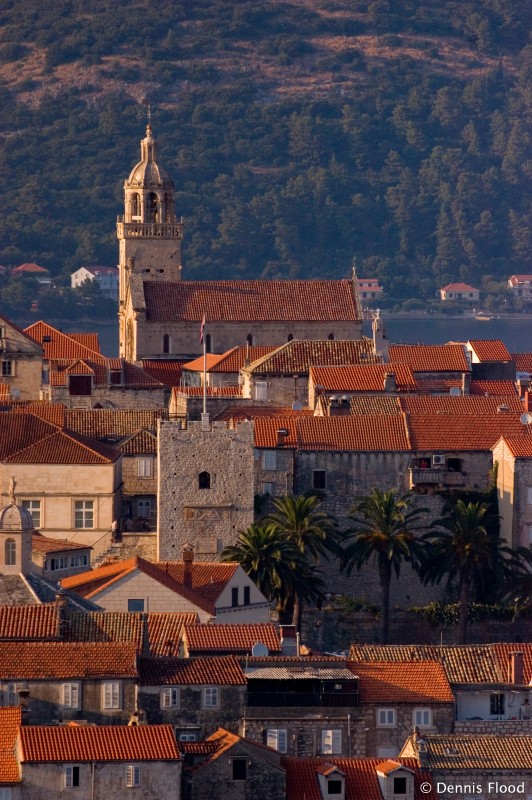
column 298, row 134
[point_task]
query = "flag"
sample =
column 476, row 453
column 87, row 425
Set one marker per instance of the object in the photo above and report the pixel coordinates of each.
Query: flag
column 202, row 329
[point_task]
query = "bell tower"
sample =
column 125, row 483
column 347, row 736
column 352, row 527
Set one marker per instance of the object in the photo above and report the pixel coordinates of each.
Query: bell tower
column 149, row 234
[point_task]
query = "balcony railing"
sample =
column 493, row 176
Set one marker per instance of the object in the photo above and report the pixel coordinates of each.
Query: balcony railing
column 301, row 700
column 127, row 230
column 435, row 477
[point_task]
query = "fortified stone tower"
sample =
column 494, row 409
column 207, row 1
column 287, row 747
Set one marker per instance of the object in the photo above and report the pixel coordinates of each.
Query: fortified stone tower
column 149, row 233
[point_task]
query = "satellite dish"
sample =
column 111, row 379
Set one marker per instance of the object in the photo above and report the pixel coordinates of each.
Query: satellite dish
column 297, row 406
column 525, row 418
column 455, row 391
column 15, row 393
column 259, row 649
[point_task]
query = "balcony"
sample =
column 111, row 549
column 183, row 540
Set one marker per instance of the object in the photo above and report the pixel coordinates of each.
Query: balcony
column 435, row 477
column 133, row 230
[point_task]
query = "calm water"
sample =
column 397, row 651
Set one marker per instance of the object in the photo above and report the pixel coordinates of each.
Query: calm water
column 516, row 333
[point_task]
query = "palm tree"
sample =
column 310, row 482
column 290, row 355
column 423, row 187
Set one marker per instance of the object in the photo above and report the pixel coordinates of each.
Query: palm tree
column 313, row 532
column 519, row 581
column 384, row 532
column 462, row 549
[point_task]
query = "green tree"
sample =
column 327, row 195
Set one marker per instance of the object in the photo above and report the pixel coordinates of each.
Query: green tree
column 384, row 532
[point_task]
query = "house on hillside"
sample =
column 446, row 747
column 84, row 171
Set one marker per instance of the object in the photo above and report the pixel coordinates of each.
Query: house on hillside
column 105, row 277
column 520, row 285
column 460, row 291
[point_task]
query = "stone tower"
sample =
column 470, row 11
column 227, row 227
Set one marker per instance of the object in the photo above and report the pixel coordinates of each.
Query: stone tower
column 149, row 233
column 16, row 531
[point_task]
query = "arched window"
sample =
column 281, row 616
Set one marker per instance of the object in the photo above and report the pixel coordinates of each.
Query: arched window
column 136, row 213
column 153, row 207
column 166, row 343
column 11, row 553
column 249, row 339
column 208, row 343
column 331, row 336
column 204, row 480
column 290, row 337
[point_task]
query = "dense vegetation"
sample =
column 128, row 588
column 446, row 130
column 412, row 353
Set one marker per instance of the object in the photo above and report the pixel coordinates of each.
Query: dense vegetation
column 298, row 134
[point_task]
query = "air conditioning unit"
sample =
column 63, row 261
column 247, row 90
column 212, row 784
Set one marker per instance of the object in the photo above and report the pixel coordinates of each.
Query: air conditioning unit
column 438, row 460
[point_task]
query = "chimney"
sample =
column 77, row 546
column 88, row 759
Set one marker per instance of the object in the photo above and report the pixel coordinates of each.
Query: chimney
column 289, row 641
column 60, row 605
column 528, row 401
column 516, row 668
column 282, row 433
column 24, row 704
column 188, row 561
column 390, row 384
column 466, row 383
column 380, row 338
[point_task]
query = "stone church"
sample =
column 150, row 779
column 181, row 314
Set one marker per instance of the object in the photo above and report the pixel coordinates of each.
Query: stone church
column 160, row 314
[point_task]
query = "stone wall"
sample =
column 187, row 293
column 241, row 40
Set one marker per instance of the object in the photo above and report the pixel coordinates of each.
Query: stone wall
column 501, row 727
column 190, row 714
column 45, row 703
column 393, row 738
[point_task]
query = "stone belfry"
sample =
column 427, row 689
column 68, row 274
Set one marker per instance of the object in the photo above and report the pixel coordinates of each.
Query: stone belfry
column 149, row 232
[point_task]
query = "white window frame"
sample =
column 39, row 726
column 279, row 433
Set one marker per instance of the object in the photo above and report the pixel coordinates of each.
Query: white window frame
column 260, row 390
column 277, row 739
column 422, row 717
column 386, row 718
column 269, row 460
column 331, row 742
column 68, row 776
column 111, row 695
column 71, row 695
column 210, row 697
column 34, row 507
column 267, row 488
column 8, row 369
column 188, row 737
column 84, row 511
column 170, row 698
column 132, row 776
column 145, row 467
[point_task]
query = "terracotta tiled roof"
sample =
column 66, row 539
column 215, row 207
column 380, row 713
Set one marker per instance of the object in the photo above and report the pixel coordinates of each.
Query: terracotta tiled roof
column 166, row 372
column 79, row 367
column 265, row 431
column 51, row 412
column 52, row 660
column 459, row 433
column 135, row 376
column 139, row 443
column 462, row 405
column 43, row 544
column 237, row 638
column 209, row 578
column 89, row 340
column 29, row 622
column 498, row 389
column 502, row 652
column 30, row 267
column 392, row 682
column 523, row 362
column 458, row 287
column 362, row 378
column 212, row 391
column 19, row 431
column 433, row 385
column 5, row 390
column 519, row 446
column 369, row 432
column 235, row 412
column 197, row 748
column 298, row 356
column 63, row 447
column 196, row 365
column 233, row 360
column 216, row 671
column 240, row 301
column 430, row 357
column 515, row 279
column 361, row 780
column 84, row 743
column 489, row 350
column 61, row 345
column 485, row 753
column 10, row 722
column 374, row 405
column 165, row 630
column 116, row 423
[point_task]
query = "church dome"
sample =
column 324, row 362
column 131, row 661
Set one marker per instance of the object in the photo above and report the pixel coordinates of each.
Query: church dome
column 15, row 518
column 148, row 172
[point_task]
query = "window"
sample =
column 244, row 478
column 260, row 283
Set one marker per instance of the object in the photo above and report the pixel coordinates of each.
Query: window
column 34, row 507
column 71, row 776
column 290, row 337
column 211, row 697
column 267, row 488
column 331, row 336
column 334, row 787
column 7, row 368
column 135, row 605
column 234, row 596
column 423, row 717
column 166, row 343
column 5, row 794
column 208, row 343
column 497, row 703
column 188, row 737
column 144, row 509
column 204, row 480
column 277, row 739
column 170, row 697
column 269, row 459
column 399, row 785
column 144, row 467
column 249, row 339
column 83, row 514
column 261, row 390
column 331, row 742
column 79, row 385
column 240, row 769
column 10, row 553
column 318, row 479
column 70, row 695
column 132, row 776
column 247, row 595
column 111, row 695
column 385, row 717
column 529, row 494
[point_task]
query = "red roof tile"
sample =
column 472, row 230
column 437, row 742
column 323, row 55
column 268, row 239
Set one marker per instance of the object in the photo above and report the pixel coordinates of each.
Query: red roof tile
column 212, row 391
column 362, row 377
column 430, row 357
column 63, row 447
column 89, row 340
column 462, row 405
column 392, row 682
column 43, row 544
column 115, row 423
column 500, row 389
column 233, row 360
column 209, row 578
column 166, row 372
column 458, row 287
column 368, row 432
column 502, row 652
column 135, row 376
column 362, row 404
column 139, row 443
column 440, row 385
column 10, row 722
column 61, row 345
column 51, row 412
column 240, row 301
column 249, row 412
column 52, row 660
column 523, row 362
column 29, row 622
column 519, row 446
column 19, row 431
column 211, row 359
column 298, row 356
column 30, row 267
column 98, row 743
column 489, row 350
column 216, row 671
column 459, row 433
column 237, row 638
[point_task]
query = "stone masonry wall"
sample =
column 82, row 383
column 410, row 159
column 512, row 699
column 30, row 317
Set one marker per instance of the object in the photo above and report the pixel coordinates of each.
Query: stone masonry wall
column 190, row 714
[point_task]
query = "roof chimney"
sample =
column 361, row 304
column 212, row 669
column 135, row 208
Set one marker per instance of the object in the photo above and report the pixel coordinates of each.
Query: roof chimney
column 188, row 561
column 289, row 641
column 528, row 401
column 282, row 433
column 516, row 668
column 390, row 383
column 60, row 605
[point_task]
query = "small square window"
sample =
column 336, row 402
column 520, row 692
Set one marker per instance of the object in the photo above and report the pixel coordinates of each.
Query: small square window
column 269, row 459
column 423, row 717
column 135, row 605
column 211, row 697
column 318, row 479
column 83, row 514
column 34, row 507
column 386, row 717
column 399, row 785
column 144, row 467
column 261, row 390
column 331, row 742
column 170, row 697
column 267, row 488
column 276, row 738
column 334, row 787
column 71, row 776
column 132, row 776
column 7, row 369
column 240, row 769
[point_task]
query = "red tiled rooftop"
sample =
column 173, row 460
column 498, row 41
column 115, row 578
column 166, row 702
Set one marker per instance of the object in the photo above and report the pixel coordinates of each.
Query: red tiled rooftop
column 62, row 345
column 29, row 622
column 500, row 389
column 391, row 682
column 430, row 357
column 20, row 431
column 249, row 412
column 85, row 743
column 520, row 446
column 30, row 267
column 237, row 638
column 523, row 362
column 215, row 671
column 52, row 660
column 166, row 372
column 298, row 356
column 490, row 350
column 362, row 377
column 103, row 423
column 368, row 432
column 212, row 391
column 461, row 405
column 211, row 359
column 233, row 360
column 458, row 287
column 240, row 301
column 62, row 447
column 10, row 722
column 43, row 544
column 459, row 433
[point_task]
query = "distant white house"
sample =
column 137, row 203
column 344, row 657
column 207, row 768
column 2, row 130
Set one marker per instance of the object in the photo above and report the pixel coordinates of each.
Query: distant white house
column 106, row 277
column 520, row 285
column 369, row 288
column 460, row 291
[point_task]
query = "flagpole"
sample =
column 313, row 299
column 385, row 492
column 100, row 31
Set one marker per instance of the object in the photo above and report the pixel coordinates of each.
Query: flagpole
column 204, row 340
